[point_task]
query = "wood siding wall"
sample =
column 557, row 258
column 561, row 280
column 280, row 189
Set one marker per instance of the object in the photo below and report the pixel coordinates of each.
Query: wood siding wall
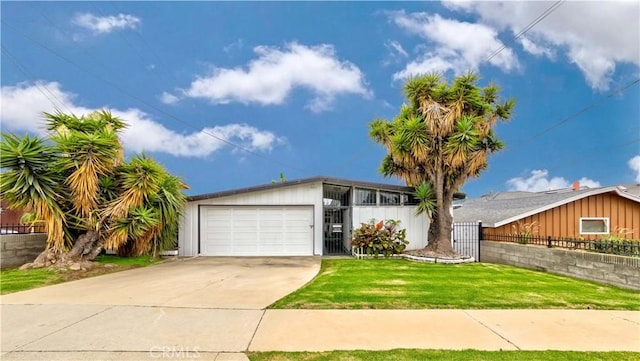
column 564, row 221
column 10, row 216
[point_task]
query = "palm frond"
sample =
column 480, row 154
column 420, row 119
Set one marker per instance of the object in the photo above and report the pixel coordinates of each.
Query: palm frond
column 31, row 183
column 426, row 196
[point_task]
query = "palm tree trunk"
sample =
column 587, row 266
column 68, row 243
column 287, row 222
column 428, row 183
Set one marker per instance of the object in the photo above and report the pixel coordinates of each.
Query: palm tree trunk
column 440, row 228
column 86, row 248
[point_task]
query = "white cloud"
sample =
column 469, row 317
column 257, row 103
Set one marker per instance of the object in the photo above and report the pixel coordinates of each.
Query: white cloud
column 234, row 46
column 396, row 53
column 275, row 73
column 536, row 49
column 459, row 46
column 24, row 103
column 106, row 24
column 634, row 164
column 539, row 181
column 169, row 98
column 396, row 48
column 595, row 35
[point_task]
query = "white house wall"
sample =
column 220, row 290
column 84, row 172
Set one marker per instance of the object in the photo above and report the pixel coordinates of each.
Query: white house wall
column 303, row 194
column 416, row 226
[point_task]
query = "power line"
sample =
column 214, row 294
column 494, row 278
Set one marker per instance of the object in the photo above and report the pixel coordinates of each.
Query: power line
column 533, row 23
column 491, row 55
column 41, row 87
column 580, row 159
column 579, row 112
column 593, row 154
column 158, row 58
column 148, row 104
column 129, row 44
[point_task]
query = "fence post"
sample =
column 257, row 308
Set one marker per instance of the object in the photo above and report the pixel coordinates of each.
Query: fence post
column 548, row 241
column 480, row 237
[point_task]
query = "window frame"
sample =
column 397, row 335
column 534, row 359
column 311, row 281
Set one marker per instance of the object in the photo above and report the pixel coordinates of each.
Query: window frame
column 606, row 223
column 387, row 194
column 357, row 201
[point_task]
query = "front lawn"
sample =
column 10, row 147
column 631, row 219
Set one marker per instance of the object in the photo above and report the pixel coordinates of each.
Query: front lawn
column 443, row 355
column 401, row 284
column 14, row 280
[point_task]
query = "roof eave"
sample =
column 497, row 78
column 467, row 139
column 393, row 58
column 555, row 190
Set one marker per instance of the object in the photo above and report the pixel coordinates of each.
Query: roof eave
column 565, row 201
column 322, row 179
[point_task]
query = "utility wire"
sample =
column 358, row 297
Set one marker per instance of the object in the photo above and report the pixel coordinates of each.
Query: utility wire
column 533, row 23
column 593, row 154
column 41, row 87
column 579, row 112
column 148, row 104
column 491, row 55
column 134, row 49
column 154, row 54
column 575, row 161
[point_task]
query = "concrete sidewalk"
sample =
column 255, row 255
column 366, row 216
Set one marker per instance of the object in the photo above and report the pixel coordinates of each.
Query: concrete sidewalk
column 92, row 332
column 323, row 330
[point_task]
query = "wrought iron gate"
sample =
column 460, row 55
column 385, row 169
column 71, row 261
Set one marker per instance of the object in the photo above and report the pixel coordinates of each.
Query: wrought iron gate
column 337, row 220
column 466, row 238
column 336, row 231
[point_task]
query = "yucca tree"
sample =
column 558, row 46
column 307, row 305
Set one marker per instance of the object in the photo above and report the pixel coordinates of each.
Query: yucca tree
column 151, row 203
column 79, row 185
column 29, row 181
column 89, row 148
column 441, row 138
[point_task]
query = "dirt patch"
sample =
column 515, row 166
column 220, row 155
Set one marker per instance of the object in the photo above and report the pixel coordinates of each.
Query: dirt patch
column 426, row 253
column 96, row 269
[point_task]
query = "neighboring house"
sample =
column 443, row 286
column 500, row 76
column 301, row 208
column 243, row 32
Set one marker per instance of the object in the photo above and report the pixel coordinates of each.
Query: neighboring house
column 313, row 216
column 9, row 216
column 587, row 213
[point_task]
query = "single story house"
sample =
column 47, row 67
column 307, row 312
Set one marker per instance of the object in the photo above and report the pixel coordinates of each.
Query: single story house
column 312, row 216
column 577, row 212
column 9, row 216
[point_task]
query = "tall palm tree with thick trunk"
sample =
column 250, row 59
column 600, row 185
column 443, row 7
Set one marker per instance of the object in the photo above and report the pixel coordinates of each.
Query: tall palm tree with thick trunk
column 80, row 186
column 441, row 138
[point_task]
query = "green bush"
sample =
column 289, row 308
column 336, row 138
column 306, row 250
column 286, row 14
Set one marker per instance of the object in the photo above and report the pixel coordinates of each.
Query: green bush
column 617, row 246
column 381, row 238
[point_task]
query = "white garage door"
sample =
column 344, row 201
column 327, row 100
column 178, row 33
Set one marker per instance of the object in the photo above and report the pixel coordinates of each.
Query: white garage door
column 256, row 230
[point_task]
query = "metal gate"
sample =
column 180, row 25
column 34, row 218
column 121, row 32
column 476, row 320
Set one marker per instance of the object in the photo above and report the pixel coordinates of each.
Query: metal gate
column 336, row 231
column 466, row 238
column 337, row 220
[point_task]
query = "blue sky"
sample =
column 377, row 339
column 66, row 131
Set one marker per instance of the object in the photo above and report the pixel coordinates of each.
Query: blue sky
column 230, row 94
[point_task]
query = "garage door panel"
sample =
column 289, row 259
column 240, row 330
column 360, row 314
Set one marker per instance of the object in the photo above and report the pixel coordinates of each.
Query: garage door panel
column 256, row 231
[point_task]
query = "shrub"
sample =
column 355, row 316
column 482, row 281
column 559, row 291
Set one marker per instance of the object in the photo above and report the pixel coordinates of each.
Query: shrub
column 618, row 243
column 617, row 246
column 384, row 237
column 524, row 232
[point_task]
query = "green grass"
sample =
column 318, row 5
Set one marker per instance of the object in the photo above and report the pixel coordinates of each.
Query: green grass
column 139, row 261
column 401, row 284
column 14, row 280
column 442, row 355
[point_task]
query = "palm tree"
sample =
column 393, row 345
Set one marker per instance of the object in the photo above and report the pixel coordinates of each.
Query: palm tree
column 89, row 150
column 86, row 194
column 441, row 138
column 32, row 184
column 146, row 214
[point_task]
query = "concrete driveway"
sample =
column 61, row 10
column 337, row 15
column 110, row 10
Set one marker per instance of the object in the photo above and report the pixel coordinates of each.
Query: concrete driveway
column 207, row 307
column 204, row 282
